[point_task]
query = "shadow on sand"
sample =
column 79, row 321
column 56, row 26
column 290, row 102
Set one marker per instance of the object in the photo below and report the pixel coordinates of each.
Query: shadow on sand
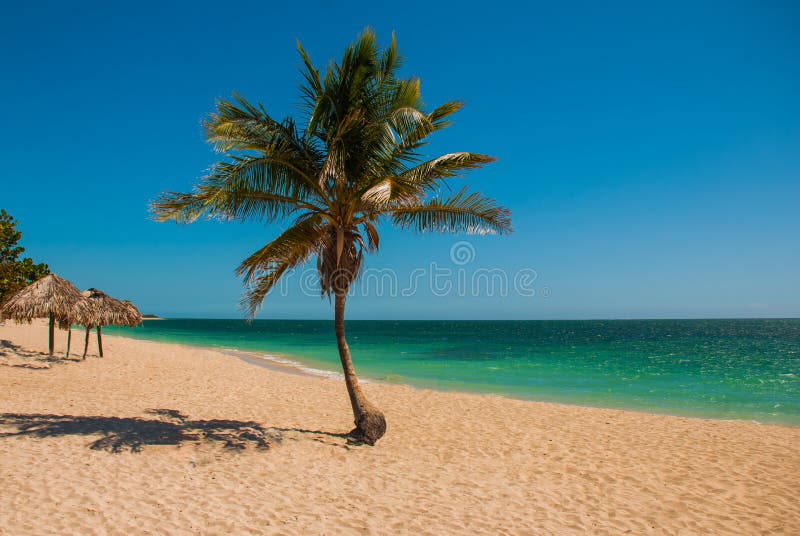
column 169, row 427
column 29, row 359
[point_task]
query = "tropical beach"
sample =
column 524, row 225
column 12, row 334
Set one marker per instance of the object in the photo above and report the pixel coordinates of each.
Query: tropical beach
column 188, row 440
column 374, row 268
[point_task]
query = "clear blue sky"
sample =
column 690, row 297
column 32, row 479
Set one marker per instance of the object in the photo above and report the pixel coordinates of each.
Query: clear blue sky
column 649, row 151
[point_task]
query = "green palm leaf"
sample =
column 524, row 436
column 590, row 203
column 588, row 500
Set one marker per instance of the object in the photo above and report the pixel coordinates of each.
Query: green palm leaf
column 413, row 184
column 264, row 268
column 463, row 212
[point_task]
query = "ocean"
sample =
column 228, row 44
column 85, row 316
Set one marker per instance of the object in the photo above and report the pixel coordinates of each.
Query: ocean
column 724, row 369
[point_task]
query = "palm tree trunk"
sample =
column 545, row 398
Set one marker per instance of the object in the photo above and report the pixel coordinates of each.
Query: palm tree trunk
column 370, row 422
column 86, row 341
column 69, row 338
column 99, row 342
column 52, row 333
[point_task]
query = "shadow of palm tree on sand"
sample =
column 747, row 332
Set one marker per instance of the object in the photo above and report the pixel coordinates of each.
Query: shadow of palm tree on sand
column 169, row 427
column 132, row 433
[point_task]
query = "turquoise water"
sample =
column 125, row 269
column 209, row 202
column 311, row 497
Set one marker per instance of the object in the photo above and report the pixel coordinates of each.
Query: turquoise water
column 730, row 369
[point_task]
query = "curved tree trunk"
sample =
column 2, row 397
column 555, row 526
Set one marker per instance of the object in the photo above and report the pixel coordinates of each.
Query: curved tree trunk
column 370, row 422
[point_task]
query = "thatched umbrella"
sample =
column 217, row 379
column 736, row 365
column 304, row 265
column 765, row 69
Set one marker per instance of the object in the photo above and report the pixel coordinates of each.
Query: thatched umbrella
column 103, row 310
column 134, row 317
column 50, row 297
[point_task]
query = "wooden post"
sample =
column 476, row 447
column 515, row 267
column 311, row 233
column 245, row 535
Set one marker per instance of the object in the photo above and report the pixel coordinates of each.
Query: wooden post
column 69, row 338
column 86, row 342
column 99, row 342
column 50, row 341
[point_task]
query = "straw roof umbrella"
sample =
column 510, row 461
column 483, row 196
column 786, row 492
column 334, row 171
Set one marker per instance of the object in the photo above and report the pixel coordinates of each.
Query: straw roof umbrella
column 134, row 317
column 50, row 297
column 103, row 310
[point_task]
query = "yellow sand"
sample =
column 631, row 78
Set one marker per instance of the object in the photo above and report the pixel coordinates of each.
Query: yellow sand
column 450, row 463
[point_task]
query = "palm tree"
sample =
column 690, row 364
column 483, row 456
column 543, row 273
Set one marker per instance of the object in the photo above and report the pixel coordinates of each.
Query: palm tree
column 353, row 164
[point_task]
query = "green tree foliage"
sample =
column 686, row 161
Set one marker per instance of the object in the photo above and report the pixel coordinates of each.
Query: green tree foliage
column 15, row 273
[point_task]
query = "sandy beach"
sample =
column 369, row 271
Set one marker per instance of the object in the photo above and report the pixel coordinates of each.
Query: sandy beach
column 166, row 439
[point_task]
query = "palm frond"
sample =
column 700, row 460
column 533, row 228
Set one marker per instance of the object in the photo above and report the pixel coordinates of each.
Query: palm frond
column 247, row 188
column 255, row 293
column 264, row 268
column 292, row 247
column 390, row 60
column 243, row 126
column 414, row 183
column 312, row 88
column 373, row 238
column 463, row 212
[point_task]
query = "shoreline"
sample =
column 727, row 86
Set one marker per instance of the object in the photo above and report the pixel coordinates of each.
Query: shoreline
column 161, row 437
column 292, row 364
column 287, row 365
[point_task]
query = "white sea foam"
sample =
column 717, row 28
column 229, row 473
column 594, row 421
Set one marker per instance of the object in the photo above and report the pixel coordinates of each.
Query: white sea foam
column 284, row 363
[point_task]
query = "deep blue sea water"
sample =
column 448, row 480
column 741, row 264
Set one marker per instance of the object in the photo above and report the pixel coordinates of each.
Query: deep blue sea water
column 729, row 369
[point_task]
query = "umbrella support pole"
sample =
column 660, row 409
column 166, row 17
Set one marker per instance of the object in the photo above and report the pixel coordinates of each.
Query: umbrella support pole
column 50, row 338
column 69, row 339
column 86, row 342
column 99, row 342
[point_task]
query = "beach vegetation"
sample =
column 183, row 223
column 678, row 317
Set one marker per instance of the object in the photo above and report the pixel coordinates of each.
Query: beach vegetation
column 15, row 272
